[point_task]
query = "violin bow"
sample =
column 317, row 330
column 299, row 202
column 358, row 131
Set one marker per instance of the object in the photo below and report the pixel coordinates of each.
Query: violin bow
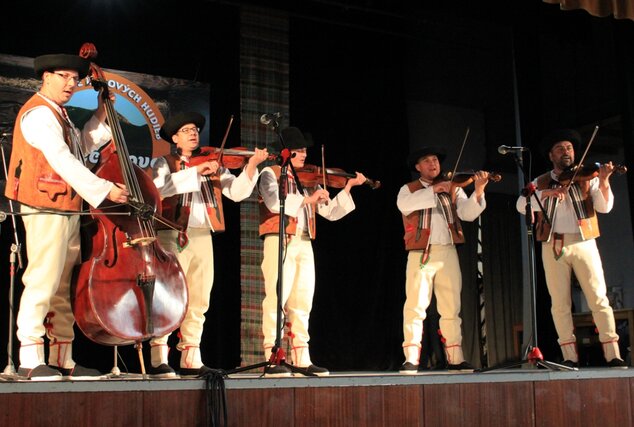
column 224, row 140
column 583, row 157
column 323, row 165
column 464, row 142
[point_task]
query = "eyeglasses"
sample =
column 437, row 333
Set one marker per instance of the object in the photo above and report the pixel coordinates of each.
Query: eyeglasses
column 67, row 77
column 190, row 130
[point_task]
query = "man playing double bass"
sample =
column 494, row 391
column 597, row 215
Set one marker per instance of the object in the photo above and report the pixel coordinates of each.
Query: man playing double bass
column 48, row 178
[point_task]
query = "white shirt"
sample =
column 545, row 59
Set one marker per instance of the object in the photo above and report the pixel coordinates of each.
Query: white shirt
column 468, row 209
column 188, row 181
column 565, row 219
column 42, row 131
column 336, row 209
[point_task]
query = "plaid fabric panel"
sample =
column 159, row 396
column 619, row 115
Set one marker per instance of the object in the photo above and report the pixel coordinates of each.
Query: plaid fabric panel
column 264, row 88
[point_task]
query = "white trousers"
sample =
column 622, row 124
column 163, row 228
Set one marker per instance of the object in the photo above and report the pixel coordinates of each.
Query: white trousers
column 52, row 247
column 197, row 262
column 583, row 258
column 297, row 294
column 440, row 275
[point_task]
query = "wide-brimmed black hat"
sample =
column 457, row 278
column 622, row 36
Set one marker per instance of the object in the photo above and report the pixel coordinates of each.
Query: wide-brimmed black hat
column 174, row 123
column 416, row 155
column 61, row 61
column 559, row 135
column 293, row 139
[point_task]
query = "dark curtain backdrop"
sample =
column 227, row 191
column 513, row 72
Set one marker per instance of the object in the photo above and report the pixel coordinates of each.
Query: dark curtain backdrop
column 349, row 90
column 351, row 100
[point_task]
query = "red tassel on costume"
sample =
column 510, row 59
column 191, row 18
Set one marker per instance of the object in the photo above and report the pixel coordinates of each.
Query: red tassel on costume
column 182, row 240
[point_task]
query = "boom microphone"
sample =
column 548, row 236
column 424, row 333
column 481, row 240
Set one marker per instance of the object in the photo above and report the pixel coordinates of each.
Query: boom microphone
column 267, row 119
column 505, row 149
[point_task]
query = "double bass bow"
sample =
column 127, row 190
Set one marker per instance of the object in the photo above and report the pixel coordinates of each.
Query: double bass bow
column 129, row 289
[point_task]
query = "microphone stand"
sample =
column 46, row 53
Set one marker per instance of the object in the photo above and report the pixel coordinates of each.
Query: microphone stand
column 15, row 256
column 532, row 354
column 278, row 355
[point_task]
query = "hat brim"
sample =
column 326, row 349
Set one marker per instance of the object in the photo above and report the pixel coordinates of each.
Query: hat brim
column 416, row 155
column 293, row 139
column 559, row 135
column 177, row 121
column 61, row 61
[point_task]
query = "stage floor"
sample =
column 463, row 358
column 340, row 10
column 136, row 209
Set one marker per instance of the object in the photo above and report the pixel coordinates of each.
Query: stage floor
column 238, row 381
column 518, row 397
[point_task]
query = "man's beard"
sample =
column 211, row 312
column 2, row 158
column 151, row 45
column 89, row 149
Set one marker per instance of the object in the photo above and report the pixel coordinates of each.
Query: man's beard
column 565, row 163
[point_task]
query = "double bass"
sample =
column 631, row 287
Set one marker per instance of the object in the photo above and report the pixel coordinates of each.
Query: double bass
column 128, row 289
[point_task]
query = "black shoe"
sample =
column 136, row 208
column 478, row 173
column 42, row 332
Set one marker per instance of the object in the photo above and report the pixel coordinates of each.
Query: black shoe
column 80, row 373
column 462, row 367
column 275, row 371
column 195, row 372
column 617, row 363
column 311, row 370
column 161, row 371
column 570, row 364
column 408, row 368
column 40, row 373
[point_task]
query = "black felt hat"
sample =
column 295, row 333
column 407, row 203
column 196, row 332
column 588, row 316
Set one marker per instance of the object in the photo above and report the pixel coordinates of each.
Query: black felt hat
column 416, row 155
column 61, row 61
column 294, row 139
column 559, row 135
column 174, row 123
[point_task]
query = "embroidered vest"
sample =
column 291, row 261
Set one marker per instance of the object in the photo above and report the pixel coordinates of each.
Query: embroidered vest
column 212, row 197
column 30, row 178
column 417, row 232
column 270, row 221
column 588, row 226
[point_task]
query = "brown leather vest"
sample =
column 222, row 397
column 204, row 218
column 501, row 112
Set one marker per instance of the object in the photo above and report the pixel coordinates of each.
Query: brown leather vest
column 31, row 180
column 176, row 213
column 589, row 227
column 416, row 237
column 270, row 221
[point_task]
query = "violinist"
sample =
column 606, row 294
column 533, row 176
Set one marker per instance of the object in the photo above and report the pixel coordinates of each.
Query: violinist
column 432, row 209
column 46, row 174
column 299, row 264
column 568, row 243
column 192, row 198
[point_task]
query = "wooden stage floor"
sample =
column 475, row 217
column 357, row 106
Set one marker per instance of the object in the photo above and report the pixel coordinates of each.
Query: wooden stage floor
column 516, row 397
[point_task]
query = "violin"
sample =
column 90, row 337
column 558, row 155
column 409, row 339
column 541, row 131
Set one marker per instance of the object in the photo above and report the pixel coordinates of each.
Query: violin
column 311, row 175
column 230, row 158
column 463, row 179
column 582, row 172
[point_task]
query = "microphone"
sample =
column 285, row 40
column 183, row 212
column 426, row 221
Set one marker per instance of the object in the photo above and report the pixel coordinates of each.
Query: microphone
column 267, row 119
column 6, row 134
column 3, row 216
column 285, row 156
column 505, row 149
